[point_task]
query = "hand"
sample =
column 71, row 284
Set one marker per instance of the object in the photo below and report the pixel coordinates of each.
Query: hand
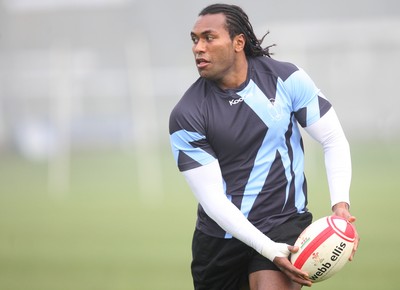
column 342, row 209
column 291, row 271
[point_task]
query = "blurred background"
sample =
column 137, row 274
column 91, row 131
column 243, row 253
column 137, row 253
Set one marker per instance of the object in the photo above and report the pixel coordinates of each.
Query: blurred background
column 90, row 197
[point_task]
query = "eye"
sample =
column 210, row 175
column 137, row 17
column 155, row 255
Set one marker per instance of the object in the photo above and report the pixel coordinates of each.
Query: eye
column 194, row 39
column 209, row 37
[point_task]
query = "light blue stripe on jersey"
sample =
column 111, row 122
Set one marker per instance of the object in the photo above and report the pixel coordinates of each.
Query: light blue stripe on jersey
column 180, row 141
column 272, row 143
column 298, row 162
column 261, row 105
column 298, row 155
column 306, row 93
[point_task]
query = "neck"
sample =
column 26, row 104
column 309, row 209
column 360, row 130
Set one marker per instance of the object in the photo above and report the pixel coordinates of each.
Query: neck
column 237, row 77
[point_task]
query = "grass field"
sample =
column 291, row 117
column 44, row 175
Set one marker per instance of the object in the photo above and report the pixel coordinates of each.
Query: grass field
column 103, row 234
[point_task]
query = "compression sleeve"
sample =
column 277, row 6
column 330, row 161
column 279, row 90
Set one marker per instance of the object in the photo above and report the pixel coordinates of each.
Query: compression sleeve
column 207, row 185
column 329, row 133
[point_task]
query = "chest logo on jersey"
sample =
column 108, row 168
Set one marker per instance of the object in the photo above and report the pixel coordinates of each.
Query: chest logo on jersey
column 274, row 109
column 237, row 101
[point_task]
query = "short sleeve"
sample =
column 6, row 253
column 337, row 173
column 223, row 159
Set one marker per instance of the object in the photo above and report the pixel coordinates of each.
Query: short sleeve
column 309, row 104
column 188, row 140
column 190, row 149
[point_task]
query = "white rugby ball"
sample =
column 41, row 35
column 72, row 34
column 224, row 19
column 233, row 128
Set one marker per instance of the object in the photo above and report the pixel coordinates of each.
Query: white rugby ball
column 324, row 247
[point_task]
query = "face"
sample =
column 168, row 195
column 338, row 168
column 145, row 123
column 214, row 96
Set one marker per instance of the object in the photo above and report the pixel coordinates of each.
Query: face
column 214, row 51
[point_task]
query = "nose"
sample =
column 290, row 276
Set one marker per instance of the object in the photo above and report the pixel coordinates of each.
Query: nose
column 199, row 47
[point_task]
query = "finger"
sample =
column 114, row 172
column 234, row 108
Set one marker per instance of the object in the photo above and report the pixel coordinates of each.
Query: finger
column 351, row 219
column 292, row 272
column 299, row 274
column 293, row 249
column 302, row 280
column 355, row 247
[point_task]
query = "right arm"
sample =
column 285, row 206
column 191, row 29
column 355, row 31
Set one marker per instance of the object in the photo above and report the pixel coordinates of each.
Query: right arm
column 207, row 185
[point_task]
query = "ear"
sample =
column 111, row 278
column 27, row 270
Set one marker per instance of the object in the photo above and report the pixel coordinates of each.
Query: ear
column 239, row 42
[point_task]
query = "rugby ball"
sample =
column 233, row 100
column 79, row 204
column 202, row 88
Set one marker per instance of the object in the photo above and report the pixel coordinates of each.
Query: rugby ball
column 324, row 247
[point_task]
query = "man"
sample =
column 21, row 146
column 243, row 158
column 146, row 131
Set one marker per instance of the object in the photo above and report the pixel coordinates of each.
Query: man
column 235, row 138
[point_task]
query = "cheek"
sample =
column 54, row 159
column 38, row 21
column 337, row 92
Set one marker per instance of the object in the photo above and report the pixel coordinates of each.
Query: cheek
column 224, row 57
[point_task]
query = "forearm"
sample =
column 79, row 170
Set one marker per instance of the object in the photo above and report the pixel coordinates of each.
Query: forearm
column 329, row 133
column 207, row 185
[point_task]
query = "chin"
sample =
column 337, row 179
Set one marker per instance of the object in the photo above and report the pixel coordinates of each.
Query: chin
column 207, row 75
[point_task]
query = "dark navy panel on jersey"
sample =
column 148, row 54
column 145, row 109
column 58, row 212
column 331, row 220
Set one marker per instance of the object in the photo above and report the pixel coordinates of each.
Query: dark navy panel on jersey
column 253, row 133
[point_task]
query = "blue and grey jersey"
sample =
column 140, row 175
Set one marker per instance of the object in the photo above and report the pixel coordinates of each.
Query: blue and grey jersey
column 253, row 132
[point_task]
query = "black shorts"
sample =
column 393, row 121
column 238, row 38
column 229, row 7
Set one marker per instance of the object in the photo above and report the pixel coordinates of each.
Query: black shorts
column 226, row 263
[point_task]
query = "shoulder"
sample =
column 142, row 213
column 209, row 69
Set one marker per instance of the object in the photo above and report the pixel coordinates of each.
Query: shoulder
column 193, row 97
column 293, row 78
column 280, row 69
column 188, row 110
column 199, row 88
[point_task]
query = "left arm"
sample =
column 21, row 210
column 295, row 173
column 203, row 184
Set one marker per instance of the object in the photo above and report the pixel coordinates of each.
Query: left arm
column 329, row 133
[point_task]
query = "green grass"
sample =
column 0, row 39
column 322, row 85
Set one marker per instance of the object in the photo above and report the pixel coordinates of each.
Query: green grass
column 105, row 234
column 375, row 198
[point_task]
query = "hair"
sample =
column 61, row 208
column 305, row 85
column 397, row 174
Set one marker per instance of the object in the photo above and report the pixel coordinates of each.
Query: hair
column 237, row 22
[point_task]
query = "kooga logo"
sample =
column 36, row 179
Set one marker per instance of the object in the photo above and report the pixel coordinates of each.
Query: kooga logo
column 237, row 101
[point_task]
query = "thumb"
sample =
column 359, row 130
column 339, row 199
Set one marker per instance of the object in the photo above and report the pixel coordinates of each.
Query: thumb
column 293, row 249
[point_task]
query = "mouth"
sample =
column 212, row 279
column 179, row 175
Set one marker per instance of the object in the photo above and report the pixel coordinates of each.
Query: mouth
column 201, row 62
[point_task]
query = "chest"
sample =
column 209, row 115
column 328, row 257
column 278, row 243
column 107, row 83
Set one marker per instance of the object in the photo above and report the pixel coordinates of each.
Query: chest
column 241, row 122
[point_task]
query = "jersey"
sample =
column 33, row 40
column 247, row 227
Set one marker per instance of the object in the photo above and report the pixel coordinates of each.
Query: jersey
column 253, row 133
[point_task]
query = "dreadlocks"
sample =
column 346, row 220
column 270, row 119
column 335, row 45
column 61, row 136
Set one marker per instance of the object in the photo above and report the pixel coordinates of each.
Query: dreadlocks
column 237, row 22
